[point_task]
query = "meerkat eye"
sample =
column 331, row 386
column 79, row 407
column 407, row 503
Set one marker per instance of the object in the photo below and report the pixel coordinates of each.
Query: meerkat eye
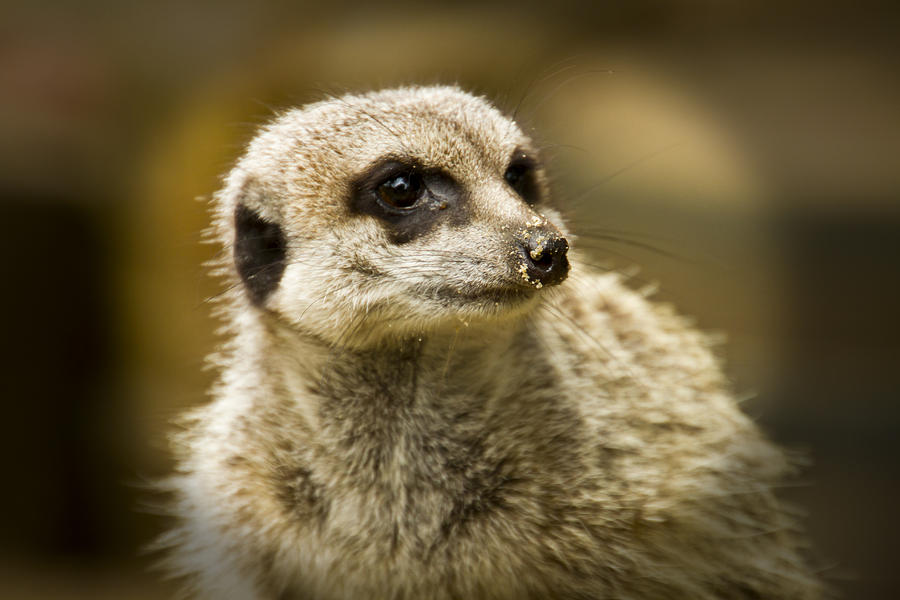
column 401, row 191
column 520, row 175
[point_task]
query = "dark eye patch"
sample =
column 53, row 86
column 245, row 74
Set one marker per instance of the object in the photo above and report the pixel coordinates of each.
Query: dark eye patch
column 407, row 198
column 521, row 175
column 259, row 253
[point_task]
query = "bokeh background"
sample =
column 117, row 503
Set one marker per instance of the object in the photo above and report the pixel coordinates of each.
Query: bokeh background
column 746, row 156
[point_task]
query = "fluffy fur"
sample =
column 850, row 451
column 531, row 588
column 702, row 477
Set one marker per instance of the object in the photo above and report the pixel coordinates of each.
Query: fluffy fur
column 387, row 424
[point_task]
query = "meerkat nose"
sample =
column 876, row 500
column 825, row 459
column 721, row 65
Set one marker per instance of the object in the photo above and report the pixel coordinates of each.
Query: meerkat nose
column 544, row 252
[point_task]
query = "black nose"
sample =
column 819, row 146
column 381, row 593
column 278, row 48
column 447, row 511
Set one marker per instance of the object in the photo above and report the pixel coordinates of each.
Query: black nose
column 545, row 257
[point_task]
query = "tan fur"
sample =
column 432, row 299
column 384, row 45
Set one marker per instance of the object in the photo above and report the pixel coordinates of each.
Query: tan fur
column 370, row 438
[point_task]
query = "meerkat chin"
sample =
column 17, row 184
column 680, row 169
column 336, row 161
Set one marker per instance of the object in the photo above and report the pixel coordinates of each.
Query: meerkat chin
column 427, row 394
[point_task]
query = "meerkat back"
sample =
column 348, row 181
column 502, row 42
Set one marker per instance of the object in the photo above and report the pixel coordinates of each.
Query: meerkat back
column 425, row 393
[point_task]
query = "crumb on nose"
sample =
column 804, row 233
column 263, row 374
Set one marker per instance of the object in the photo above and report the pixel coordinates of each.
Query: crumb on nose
column 542, row 254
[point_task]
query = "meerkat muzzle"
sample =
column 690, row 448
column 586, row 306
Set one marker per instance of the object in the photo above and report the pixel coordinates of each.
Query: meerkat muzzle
column 543, row 253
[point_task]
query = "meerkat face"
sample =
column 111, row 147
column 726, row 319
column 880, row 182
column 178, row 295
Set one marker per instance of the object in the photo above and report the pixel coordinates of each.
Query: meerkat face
column 395, row 212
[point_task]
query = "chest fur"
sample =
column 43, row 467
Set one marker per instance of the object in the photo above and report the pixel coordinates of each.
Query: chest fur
column 429, row 486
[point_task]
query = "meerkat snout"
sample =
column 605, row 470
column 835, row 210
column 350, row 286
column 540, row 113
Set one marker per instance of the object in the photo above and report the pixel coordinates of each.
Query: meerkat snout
column 543, row 252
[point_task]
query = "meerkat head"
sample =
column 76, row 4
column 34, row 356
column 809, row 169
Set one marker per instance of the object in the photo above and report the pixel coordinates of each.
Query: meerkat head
column 391, row 213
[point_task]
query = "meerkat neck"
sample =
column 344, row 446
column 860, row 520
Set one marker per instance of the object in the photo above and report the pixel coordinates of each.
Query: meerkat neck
column 436, row 352
column 365, row 395
column 430, row 361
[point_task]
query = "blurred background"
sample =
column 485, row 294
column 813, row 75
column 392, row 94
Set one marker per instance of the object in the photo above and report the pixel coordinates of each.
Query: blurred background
column 745, row 156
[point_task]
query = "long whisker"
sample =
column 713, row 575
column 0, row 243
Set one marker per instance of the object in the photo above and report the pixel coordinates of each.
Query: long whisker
column 547, row 97
column 593, row 240
column 593, row 340
column 538, row 80
column 580, row 196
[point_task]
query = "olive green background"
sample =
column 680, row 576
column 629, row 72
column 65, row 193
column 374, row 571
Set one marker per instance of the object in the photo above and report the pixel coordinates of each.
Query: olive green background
column 746, row 156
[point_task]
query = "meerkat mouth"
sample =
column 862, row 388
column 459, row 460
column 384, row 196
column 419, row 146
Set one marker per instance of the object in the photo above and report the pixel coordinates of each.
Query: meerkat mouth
column 494, row 295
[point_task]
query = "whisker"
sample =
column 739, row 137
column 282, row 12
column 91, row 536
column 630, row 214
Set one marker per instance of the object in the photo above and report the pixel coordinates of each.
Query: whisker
column 597, row 343
column 594, row 239
column 538, row 80
column 566, row 82
column 580, row 196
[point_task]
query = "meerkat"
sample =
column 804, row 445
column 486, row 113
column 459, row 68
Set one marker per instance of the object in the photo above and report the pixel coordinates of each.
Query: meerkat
column 426, row 393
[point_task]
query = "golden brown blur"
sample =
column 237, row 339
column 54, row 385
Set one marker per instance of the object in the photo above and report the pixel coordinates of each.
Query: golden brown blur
column 745, row 155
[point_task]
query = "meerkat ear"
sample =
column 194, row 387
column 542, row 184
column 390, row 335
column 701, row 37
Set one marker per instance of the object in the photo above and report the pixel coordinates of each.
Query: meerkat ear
column 259, row 253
